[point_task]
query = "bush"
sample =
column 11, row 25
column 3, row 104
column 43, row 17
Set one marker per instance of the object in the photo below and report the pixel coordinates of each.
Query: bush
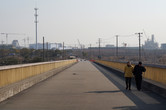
column 10, row 60
column 36, row 59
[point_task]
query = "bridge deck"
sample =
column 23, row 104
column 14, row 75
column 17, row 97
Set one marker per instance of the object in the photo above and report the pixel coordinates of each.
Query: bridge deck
column 84, row 87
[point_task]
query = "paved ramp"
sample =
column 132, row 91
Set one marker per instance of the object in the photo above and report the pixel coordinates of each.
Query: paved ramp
column 83, row 87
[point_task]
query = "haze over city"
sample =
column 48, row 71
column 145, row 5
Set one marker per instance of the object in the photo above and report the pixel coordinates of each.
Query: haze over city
column 86, row 20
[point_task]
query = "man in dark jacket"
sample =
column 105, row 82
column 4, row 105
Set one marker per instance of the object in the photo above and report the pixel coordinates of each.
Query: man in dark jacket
column 138, row 69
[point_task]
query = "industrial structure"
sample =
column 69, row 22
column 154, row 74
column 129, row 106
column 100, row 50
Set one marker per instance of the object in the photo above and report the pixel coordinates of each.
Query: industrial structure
column 151, row 44
column 163, row 46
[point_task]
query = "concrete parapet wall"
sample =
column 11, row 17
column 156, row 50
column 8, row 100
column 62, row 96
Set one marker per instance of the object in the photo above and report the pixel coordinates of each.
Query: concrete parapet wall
column 12, row 74
column 152, row 73
column 27, row 81
column 148, row 84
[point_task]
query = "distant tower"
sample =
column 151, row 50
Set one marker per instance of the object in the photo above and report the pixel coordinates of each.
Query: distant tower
column 36, row 15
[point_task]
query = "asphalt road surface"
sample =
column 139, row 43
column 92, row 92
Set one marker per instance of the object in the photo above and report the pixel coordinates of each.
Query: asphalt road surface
column 84, row 86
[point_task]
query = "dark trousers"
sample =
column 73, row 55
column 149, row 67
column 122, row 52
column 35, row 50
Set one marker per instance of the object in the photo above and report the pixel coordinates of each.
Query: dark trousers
column 138, row 80
column 128, row 82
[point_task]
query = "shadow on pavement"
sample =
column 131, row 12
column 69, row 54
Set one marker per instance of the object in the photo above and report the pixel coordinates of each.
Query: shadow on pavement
column 126, row 108
column 144, row 100
column 103, row 91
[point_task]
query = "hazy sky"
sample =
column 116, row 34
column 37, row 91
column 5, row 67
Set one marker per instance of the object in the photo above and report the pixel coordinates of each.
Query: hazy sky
column 86, row 20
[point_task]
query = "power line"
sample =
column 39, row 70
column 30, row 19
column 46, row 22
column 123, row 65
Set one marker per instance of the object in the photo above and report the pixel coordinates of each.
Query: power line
column 145, row 34
column 108, row 38
column 126, row 35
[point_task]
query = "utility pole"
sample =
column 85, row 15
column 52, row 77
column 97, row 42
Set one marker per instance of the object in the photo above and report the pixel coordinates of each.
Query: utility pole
column 99, row 49
column 90, row 52
column 36, row 15
column 63, row 52
column 139, row 35
column 28, row 41
column 81, row 46
column 6, row 39
column 117, row 45
column 43, row 49
column 47, row 52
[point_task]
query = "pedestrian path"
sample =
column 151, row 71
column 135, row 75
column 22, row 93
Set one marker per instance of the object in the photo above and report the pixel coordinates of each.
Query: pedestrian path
column 84, row 86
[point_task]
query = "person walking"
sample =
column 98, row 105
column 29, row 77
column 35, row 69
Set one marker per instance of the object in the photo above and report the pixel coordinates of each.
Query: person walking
column 128, row 74
column 138, row 69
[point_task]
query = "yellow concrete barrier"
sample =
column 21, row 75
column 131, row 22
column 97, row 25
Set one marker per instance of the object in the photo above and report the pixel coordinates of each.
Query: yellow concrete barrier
column 12, row 74
column 153, row 73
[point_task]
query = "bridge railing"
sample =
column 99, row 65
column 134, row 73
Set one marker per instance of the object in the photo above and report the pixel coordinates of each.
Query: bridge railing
column 155, row 73
column 12, row 74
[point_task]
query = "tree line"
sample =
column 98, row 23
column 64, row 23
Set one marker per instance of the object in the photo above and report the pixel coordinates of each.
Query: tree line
column 24, row 55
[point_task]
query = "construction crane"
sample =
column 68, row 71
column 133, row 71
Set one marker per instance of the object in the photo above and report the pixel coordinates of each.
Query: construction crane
column 7, row 34
column 145, row 34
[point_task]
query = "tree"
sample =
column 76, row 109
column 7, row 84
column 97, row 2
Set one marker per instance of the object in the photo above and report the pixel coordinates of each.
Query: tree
column 11, row 60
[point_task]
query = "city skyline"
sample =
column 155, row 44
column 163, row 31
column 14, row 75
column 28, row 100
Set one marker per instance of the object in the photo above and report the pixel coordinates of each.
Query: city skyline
column 86, row 20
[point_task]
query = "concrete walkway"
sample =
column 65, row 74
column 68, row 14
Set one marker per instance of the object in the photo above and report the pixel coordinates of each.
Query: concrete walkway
column 81, row 87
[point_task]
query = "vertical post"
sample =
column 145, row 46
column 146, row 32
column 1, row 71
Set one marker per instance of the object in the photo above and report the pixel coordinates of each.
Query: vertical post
column 139, row 35
column 47, row 52
column 43, row 48
column 36, row 25
column 99, row 49
column 139, row 47
column 6, row 39
column 116, row 45
column 63, row 52
column 28, row 41
column 90, row 52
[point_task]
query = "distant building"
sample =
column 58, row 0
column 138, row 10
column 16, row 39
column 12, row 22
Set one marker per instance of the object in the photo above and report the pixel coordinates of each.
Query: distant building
column 56, row 46
column 39, row 45
column 109, row 45
column 15, row 44
column 150, row 44
column 163, row 46
column 9, row 46
column 53, row 46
